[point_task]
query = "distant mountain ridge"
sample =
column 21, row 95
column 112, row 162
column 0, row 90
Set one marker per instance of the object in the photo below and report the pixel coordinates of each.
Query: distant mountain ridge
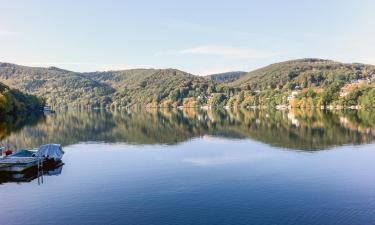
column 227, row 76
column 268, row 86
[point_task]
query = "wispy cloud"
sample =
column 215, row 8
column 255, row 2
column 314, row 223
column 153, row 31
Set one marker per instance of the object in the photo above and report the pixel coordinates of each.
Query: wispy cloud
column 369, row 60
column 233, row 52
column 4, row 33
column 84, row 66
column 223, row 51
column 107, row 67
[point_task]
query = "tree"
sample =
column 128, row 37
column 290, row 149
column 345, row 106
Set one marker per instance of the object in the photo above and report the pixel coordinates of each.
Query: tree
column 367, row 100
column 218, row 100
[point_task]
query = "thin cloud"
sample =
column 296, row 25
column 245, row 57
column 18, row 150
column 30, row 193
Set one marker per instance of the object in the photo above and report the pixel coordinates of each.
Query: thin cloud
column 108, row 67
column 368, row 60
column 231, row 52
column 84, row 66
column 48, row 64
column 4, row 33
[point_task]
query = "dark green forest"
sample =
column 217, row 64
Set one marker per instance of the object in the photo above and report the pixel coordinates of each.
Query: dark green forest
column 14, row 102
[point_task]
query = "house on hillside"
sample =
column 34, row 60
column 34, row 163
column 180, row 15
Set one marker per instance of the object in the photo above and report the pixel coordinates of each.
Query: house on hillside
column 294, row 93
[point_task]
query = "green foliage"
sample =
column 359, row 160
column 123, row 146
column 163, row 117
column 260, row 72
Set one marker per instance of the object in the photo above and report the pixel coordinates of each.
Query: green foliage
column 304, row 73
column 14, row 102
column 59, row 87
column 320, row 83
column 367, row 99
column 352, row 99
column 241, row 97
column 219, row 100
column 159, row 87
column 331, row 93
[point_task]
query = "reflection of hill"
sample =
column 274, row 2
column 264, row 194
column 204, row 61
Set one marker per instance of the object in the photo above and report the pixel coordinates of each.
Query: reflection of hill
column 298, row 130
column 295, row 130
column 138, row 128
column 9, row 124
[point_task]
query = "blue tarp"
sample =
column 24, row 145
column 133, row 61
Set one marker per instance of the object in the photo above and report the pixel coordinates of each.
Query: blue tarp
column 50, row 151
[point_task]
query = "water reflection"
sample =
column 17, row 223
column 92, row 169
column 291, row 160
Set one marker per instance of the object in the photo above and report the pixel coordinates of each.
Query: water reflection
column 295, row 129
column 31, row 174
column 10, row 124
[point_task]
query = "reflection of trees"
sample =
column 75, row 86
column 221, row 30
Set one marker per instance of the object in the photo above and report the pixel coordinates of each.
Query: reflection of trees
column 133, row 127
column 306, row 130
column 9, row 124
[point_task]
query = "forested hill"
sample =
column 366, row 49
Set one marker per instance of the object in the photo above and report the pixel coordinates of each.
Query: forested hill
column 59, row 87
column 14, row 102
column 155, row 87
column 149, row 87
column 304, row 73
column 306, row 83
column 298, row 83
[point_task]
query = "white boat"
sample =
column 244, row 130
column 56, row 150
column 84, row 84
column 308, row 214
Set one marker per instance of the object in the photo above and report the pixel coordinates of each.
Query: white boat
column 18, row 164
column 49, row 153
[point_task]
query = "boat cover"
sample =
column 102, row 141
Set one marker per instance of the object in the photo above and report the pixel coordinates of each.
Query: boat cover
column 50, row 151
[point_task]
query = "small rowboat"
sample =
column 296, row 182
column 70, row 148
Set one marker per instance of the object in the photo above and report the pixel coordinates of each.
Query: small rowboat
column 19, row 164
column 24, row 159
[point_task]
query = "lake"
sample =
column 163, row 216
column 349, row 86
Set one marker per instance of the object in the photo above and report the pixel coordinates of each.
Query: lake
column 195, row 167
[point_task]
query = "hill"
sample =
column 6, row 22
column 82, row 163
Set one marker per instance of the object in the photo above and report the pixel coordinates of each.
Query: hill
column 299, row 83
column 150, row 87
column 154, row 87
column 304, row 73
column 306, row 83
column 59, row 87
column 226, row 77
column 13, row 102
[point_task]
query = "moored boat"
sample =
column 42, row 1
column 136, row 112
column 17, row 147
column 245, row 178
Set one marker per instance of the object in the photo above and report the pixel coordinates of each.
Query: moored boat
column 49, row 154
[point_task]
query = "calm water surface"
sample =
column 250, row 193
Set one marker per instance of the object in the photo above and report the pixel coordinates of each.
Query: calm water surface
column 162, row 167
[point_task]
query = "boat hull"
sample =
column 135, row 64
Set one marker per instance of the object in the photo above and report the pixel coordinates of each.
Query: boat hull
column 18, row 164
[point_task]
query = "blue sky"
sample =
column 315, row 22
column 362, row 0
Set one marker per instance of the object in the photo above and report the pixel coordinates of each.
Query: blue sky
column 199, row 37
